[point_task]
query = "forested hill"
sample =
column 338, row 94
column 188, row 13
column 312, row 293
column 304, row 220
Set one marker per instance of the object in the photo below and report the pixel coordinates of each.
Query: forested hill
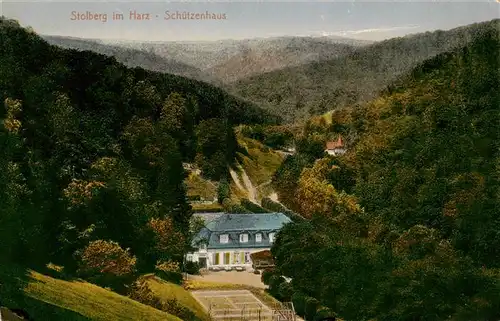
column 132, row 57
column 92, row 150
column 314, row 88
column 405, row 225
column 84, row 75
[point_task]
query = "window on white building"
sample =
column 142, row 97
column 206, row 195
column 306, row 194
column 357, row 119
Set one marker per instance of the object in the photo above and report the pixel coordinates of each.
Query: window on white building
column 224, row 238
column 243, row 238
column 271, row 237
column 258, row 237
column 189, row 258
column 247, row 257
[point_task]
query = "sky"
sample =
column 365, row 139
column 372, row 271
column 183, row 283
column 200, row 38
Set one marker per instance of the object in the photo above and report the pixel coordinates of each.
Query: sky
column 241, row 20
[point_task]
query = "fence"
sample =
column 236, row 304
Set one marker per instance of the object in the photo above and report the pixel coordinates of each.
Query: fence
column 280, row 312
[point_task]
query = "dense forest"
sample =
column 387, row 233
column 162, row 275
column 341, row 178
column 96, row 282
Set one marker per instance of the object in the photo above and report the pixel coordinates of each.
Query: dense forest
column 93, row 151
column 313, row 88
column 404, row 226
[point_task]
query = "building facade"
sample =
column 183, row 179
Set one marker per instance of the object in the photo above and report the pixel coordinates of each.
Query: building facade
column 228, row 240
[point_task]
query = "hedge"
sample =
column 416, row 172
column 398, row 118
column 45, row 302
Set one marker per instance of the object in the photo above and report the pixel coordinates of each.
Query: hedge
column 272, row 206
column 312, row 306
column 252, row 207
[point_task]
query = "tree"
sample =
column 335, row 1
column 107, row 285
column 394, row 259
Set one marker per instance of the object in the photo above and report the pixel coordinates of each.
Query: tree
column 216, row 147
column 170, row 243
column 106, row 257
column 223, row 190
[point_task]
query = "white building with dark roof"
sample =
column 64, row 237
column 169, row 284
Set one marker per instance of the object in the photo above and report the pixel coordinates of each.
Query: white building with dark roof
column 228, row 240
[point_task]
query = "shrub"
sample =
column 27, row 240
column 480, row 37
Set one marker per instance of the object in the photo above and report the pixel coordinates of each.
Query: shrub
column 252, row 207
column 274, row 285
column 299, row 303
column 169, row 271
column 324, row 312
column 311, row 307
column 223, row 191
column 266, row 276
column 105, row 263
column 272, row 206
column 141, row 292
column 285, row 291
column 230, row 207
column 192, row 267
column 106, row 257
column 172, row 306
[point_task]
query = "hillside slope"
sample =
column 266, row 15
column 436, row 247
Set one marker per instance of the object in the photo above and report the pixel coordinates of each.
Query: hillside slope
column 433, row 140
column 89, row 145
column 278, row 54
column 314, row 88
column 37, row 55
column 420, row 222
column 46, row 298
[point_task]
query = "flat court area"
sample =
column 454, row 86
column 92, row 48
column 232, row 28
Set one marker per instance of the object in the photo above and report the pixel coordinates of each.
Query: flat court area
column 233, row 305
column 233, row 277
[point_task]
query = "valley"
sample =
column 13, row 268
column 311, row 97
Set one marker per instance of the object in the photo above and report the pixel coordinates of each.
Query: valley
column 202, row 181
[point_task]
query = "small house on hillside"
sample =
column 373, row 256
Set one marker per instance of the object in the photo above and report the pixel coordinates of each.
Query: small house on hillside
column 228, row 240
column 335, row 148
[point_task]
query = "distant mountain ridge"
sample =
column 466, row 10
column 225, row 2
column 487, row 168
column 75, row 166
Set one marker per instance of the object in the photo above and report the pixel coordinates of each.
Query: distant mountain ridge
column 313, row 88
column 254, row 60
column 230, row 60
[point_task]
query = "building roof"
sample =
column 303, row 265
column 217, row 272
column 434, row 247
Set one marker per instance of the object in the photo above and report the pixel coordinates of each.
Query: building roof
column 247, row 222
column 335, row 144
column 207, row 217
column 235, row 224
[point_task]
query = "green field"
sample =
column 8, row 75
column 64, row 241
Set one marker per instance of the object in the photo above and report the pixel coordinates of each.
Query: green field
column 52, row 299
column 165, row 290
column 261, row 161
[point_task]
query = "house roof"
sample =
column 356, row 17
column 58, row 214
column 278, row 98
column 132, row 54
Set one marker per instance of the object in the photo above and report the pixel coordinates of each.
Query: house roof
column 335, row 144
column 235, row 224
column 262, row 255
column 207, row 217
column 247, row 222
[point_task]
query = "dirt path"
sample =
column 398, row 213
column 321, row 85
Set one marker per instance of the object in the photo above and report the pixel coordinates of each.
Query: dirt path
column 247, row 185
column 252, row 191
column 236, row 179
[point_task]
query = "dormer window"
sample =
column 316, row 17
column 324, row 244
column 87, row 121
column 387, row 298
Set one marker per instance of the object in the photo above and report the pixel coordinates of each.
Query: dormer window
column 203, row 246
column 224, row 238
column 258, row 237
column 271, row 237
column 243, row 238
